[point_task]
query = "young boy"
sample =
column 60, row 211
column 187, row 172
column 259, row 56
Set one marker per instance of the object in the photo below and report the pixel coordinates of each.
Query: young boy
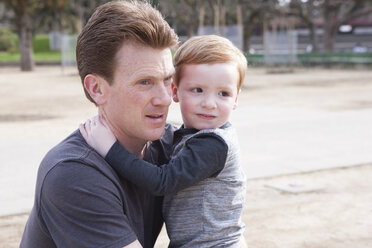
column 203, row 184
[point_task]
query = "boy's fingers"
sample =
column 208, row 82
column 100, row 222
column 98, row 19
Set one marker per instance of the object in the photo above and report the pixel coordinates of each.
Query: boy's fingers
column 95, row 120
column 103, row 120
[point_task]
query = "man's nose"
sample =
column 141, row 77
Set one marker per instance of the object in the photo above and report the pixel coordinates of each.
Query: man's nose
column 209, row 101
column 162, row 95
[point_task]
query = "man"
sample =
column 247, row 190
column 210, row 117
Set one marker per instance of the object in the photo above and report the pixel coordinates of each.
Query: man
column 125, row 63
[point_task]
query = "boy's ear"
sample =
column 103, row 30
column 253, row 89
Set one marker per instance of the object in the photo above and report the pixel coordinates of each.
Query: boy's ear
column 175, row 93
column 236, row 100
column 96, row 87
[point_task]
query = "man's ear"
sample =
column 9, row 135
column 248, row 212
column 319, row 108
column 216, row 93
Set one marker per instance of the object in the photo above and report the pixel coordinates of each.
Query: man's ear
column 96, row 87
column 175, row 93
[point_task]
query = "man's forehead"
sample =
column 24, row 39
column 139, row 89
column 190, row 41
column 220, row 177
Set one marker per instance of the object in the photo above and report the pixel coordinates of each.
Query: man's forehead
column 139, row 60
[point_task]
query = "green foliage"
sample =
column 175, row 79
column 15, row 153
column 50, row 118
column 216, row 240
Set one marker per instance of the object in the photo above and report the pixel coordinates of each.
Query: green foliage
column 8, row 40
column 40, row 43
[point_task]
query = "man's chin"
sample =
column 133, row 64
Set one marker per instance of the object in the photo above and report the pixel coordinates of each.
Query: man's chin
column 156, row 133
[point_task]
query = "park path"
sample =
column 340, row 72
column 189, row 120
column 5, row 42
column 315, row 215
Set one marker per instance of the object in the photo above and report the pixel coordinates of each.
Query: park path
column 287, row 123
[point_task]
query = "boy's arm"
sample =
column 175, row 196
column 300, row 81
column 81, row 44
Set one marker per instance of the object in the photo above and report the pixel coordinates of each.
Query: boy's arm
column 202, row 156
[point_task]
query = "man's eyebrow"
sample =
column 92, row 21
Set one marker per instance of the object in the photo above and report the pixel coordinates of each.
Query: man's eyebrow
column 147, row 75
column 171, row 73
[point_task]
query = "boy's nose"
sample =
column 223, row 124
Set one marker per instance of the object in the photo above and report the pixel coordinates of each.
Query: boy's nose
column 209, row 102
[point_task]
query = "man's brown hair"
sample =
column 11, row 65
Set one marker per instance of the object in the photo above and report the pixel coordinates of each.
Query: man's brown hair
column 110, row 26
column 209, row 49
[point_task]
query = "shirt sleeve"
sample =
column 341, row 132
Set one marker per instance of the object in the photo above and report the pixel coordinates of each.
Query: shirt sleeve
column 201, row 157
column 80, row 207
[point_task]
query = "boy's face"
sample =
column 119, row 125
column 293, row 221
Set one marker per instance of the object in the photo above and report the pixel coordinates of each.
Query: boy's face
column 207, row 94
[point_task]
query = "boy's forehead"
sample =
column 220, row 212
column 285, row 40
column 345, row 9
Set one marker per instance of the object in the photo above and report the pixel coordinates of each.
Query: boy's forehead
column 217, row 74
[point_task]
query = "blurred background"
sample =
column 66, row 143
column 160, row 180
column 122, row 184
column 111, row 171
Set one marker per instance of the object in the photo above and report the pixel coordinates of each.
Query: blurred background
column 270, row 32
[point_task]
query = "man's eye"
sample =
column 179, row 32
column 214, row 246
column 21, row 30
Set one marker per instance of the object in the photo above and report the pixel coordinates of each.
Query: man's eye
column 144, row 82
column 197, row 90
column 168, row 80
column 223, row 93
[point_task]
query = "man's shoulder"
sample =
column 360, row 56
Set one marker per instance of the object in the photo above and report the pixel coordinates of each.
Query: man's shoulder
column 72, row 164
column 72, row 150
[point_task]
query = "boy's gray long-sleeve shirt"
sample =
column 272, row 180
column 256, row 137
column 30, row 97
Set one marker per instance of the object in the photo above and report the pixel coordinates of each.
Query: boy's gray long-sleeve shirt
column 190, row 166
column 203, row 184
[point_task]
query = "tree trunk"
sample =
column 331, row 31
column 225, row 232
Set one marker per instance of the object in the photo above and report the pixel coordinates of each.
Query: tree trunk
column 239, row 20
column 25, row 40
column 247, row 29
column 201, row 19
column 223, row 19
column 312, row 26
column 313, row 37
column 329, row 29
column 217, row 17
column 239, row 15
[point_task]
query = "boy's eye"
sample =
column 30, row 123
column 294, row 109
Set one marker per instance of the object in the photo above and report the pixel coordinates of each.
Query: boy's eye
column 197, row 90
column 223, row 93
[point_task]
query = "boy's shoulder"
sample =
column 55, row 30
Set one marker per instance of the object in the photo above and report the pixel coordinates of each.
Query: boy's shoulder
column 159, row 151
column 224, row 131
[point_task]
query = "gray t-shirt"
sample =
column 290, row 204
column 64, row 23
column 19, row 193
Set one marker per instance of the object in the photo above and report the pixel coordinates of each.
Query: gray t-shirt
column 81, row 202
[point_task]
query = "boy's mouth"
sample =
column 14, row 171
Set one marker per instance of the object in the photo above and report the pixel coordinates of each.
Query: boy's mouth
column 206, row 116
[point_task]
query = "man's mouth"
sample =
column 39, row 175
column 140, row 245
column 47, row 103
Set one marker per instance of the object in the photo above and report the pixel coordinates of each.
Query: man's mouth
column 156, row 116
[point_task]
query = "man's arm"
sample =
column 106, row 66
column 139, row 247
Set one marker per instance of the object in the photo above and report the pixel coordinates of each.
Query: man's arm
column 202, row 156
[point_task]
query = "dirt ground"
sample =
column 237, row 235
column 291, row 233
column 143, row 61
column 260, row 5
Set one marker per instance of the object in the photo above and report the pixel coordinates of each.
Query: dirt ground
column 332, row 208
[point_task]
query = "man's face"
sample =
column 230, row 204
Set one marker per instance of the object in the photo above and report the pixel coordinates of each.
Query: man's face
column 138, row 100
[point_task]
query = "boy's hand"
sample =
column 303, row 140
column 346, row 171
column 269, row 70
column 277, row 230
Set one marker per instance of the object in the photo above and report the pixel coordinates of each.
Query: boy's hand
column 97, row 134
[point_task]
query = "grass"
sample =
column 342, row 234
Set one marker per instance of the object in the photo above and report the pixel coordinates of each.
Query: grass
column 48, row 56
column 9, row 57
column 51, row 56
column 40, row 45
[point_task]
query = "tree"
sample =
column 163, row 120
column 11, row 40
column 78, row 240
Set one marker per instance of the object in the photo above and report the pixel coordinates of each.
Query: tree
column 309, row 12
column 333, row 13
column 338, row 12
column 23, row 10
column 254, row 12
column 183, row 15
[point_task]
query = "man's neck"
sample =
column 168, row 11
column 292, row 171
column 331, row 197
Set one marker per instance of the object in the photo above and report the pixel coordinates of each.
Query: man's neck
column 133, row 146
